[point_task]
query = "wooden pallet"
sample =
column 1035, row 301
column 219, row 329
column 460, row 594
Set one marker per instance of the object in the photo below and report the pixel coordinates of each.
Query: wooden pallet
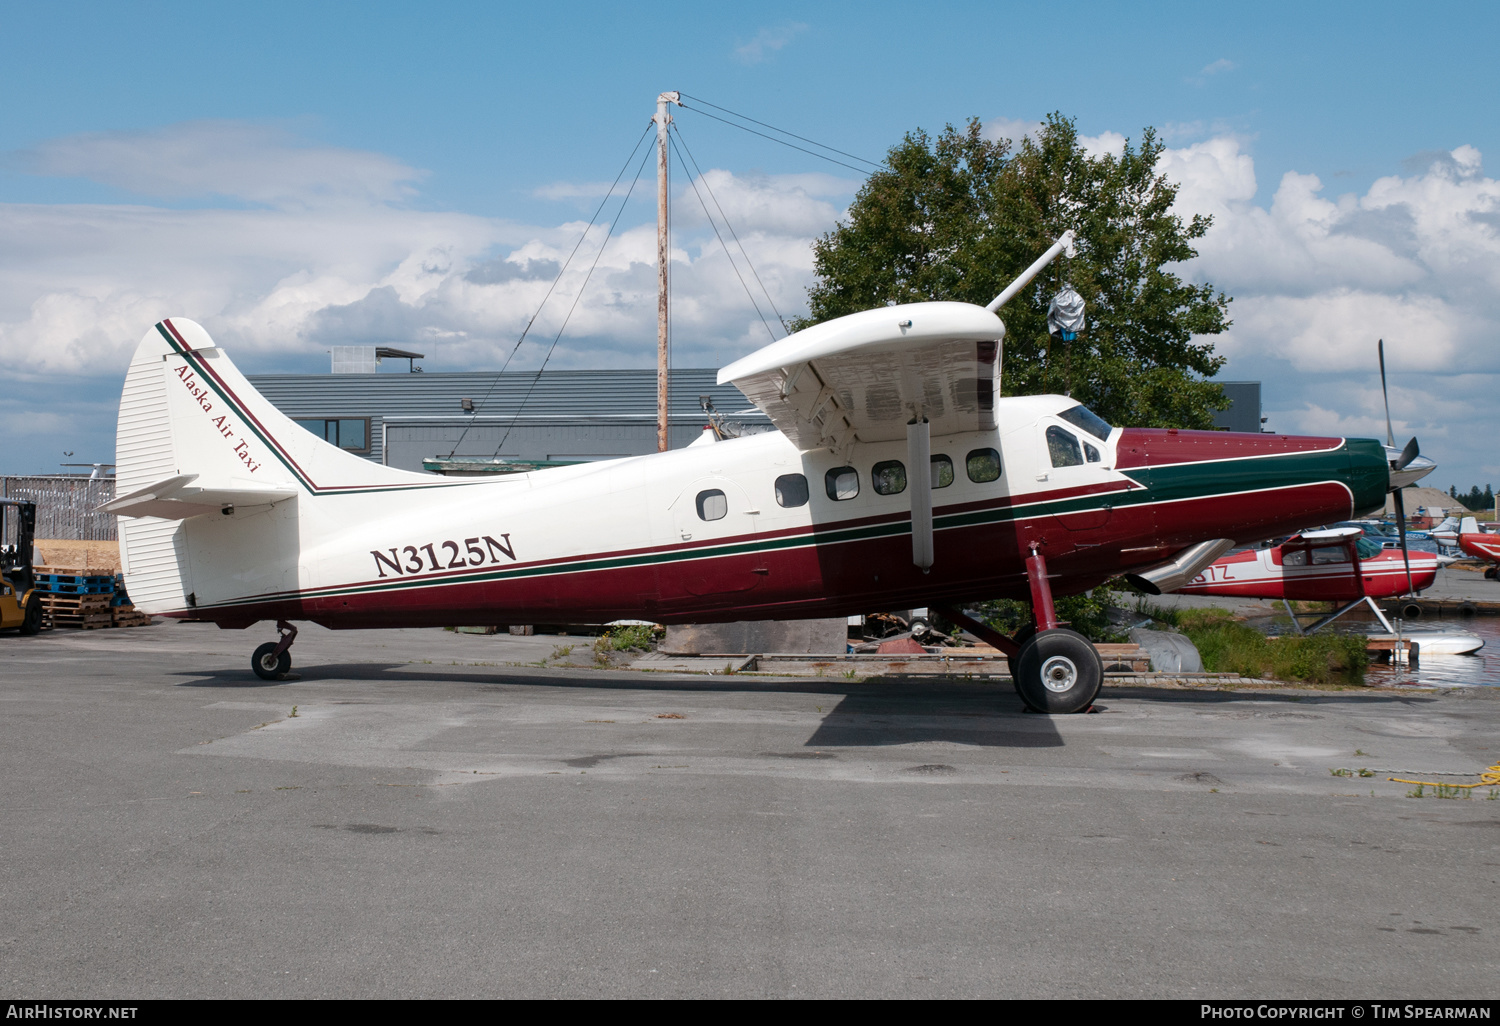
column 126, row 616
column 1124, row 657
column 86, row 611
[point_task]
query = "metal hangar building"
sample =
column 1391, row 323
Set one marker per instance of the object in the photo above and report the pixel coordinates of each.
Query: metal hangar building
column 413, row 421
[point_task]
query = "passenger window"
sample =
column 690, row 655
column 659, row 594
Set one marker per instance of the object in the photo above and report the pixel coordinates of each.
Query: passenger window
column 1296, row 557
column 889, row 477
column 1330, row 554
column 983, row 465
column 1064, row 448
column 712, row 505
column 791, row 490
column 841, row 483
column 1090, row 453
column 942, row 471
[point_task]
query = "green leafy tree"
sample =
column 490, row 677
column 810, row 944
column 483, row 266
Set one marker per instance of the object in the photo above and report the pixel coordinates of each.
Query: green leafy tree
column 959, row 217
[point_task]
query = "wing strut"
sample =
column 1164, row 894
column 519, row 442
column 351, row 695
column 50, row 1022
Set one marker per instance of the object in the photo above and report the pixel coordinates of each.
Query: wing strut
column 919, row 485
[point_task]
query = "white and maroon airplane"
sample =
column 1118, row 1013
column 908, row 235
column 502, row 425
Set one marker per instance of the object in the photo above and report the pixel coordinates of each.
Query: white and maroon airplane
column 899, row 478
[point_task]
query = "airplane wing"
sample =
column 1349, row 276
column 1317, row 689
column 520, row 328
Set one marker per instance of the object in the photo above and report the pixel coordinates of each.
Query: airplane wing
column 864, row 377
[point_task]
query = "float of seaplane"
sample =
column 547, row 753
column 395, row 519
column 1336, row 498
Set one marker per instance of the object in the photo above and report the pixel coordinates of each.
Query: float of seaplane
column 898, row 477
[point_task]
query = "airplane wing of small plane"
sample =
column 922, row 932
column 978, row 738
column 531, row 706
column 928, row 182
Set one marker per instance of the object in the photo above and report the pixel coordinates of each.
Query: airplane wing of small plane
column 865, row 377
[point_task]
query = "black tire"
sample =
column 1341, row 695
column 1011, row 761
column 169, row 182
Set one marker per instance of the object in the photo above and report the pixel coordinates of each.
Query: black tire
column 268, row 665
column 1059, row 671
column 32, row 622
column 1489, row 573
column 1021, row 636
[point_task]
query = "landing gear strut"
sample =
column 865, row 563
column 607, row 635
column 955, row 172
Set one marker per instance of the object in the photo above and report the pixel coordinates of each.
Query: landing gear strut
column 272, row 661
column 1055, row 670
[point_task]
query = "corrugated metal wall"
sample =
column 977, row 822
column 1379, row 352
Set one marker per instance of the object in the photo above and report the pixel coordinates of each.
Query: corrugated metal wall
column 579, row 395
column 65, row 505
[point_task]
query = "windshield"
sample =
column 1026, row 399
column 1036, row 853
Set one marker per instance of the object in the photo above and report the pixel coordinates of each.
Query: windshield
column 1366, row 548
column 1083, row 417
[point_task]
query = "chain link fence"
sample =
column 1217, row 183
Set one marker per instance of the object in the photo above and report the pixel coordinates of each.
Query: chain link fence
column 65, row 505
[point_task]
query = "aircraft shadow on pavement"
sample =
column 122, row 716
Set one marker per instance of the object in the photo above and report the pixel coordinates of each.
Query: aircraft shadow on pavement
column 877, row 712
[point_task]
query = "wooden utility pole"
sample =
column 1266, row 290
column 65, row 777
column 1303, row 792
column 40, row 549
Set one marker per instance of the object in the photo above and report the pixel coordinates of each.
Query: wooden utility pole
column 663, row 255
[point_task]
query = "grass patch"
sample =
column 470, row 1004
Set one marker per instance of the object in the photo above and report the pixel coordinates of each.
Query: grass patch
column 1231, row 647
column 1161, row 614
column 635, row 638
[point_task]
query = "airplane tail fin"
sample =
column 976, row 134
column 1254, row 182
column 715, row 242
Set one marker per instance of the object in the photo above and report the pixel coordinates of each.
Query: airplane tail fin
column 196, row 440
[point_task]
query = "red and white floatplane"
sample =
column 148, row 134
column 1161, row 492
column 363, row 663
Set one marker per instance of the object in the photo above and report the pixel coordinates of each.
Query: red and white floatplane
column 1335, row 565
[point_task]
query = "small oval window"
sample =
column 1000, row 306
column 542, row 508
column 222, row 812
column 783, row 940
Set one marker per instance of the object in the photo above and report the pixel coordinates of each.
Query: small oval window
column 983, row 465
column 1063, row 448
column 942, row 471
column 888, row 477
column 791, row 490
column 712, row 505
column 841, row 483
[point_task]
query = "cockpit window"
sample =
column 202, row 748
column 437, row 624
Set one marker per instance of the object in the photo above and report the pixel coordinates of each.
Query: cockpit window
column 1086, row 419
column 1063, row 447
column 1090, row 453
column 1366, row 548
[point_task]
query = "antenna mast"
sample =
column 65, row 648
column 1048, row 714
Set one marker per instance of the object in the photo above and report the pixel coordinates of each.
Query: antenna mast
column 662, row 119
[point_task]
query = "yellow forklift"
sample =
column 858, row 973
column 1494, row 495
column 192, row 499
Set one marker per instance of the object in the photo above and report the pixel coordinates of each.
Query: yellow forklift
column 20, row 602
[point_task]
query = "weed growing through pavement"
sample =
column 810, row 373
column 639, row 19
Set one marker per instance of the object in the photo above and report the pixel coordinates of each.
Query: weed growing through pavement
column 561, row 652
column 294, row 712
column 1366, row 772
column 1416, row 792
column 1342, row 772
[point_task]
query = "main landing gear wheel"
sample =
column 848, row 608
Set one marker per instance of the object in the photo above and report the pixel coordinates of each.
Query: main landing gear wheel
column 32, row 624
column 1021, row 636
column 1058, row 671
column 268, row 665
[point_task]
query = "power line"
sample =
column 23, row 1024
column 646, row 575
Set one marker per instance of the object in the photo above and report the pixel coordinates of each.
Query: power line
column 561, row 271
column 678, row 132
column 783, row 131
column 820, row 156
column 618, row 214
column 729, row 255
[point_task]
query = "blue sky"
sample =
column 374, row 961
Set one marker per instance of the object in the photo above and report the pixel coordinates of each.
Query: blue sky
column 295, row 176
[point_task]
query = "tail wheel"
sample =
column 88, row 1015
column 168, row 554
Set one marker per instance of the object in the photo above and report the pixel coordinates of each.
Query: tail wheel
column 268, row 665
column 32, row 623
column 1059, row 671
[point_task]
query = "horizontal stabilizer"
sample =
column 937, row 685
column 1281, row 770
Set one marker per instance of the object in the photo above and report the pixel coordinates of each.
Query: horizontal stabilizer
column 179, row 497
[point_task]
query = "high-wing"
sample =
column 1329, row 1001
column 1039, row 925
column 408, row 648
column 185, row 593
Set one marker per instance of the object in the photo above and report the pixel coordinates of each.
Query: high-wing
column 864, row 377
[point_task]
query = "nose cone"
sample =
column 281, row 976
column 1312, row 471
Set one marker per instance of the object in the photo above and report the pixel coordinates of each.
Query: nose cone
column 1410, row 474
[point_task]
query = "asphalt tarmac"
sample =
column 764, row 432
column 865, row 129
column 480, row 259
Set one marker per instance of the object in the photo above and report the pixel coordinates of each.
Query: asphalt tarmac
column 435, row 823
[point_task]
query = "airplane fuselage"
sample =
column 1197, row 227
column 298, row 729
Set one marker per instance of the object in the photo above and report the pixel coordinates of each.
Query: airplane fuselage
column 752, row 528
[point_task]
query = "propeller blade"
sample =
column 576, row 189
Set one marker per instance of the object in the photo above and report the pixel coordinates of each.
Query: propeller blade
column 1408, row 454
column 1401, row 527
column 1390, row 436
